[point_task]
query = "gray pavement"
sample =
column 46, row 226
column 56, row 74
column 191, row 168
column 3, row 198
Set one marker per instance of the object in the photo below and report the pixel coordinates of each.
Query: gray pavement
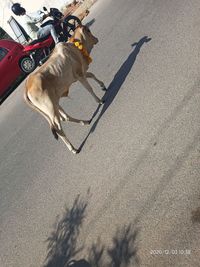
column 132, row 196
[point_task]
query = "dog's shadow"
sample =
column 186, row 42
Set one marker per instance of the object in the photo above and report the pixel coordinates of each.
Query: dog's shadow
column 116, row 84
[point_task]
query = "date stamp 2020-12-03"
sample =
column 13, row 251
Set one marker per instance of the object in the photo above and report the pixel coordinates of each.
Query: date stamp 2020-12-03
column 174, row 252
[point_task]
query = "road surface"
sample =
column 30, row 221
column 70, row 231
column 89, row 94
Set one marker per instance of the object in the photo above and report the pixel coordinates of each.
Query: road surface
column 132, row 195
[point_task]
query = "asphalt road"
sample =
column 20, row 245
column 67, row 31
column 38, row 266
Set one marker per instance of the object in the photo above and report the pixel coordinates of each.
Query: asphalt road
column 132, row 195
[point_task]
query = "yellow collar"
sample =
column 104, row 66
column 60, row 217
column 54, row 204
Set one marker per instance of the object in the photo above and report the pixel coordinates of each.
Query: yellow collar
column 83, row 50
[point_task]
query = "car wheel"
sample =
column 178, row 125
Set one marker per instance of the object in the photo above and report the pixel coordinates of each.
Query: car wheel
column 27, row 65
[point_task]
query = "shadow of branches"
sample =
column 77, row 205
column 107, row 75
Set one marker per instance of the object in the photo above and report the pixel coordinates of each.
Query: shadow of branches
column 124, row 250
column 122, row 253
column 96, row 254
column 116, row 83
column 63, row 248
column 62, row 243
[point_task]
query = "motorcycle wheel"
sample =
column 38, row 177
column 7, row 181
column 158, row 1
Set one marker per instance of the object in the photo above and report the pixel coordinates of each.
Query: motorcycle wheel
column 70, row 23
column 27, row 65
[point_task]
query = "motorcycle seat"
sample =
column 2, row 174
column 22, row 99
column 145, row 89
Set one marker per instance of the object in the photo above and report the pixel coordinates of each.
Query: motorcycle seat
column 39, row 40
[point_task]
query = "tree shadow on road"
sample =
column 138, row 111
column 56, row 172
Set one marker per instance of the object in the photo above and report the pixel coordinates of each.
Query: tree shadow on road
column 116, row 83
column 63, row 244
column 123, row 252
column 196, row 215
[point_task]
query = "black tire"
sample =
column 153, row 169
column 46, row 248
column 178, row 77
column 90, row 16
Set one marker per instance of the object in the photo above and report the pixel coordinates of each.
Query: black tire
column 27, row 65
column 70, row 23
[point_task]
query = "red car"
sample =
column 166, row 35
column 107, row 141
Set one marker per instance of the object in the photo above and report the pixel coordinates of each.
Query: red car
column 13, row 62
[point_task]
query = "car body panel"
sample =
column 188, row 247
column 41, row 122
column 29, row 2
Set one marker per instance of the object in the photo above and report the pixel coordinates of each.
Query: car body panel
column 10, row 54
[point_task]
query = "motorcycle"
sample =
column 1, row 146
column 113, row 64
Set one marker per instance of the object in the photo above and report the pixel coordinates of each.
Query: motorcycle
column 40, row 49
